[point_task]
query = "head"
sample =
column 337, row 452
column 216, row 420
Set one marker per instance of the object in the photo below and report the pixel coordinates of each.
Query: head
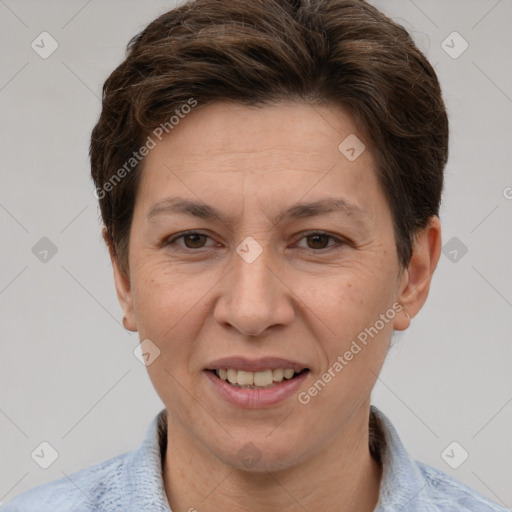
column 303, row 144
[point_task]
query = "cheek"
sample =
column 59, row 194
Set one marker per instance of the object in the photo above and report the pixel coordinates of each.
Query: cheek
column 165, row 304
column 352, row 341
column 348, row 299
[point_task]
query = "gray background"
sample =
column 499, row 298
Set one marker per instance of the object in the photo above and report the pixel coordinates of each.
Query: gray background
column 68, row 374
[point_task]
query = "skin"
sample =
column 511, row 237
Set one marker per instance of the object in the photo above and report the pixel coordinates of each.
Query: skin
column 303, row 299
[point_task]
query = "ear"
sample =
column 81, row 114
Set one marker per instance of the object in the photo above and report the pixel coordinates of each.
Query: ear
column 123, row 287
column 415, row 280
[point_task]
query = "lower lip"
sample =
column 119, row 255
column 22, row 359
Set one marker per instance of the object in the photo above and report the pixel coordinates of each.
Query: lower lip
column 256, row 398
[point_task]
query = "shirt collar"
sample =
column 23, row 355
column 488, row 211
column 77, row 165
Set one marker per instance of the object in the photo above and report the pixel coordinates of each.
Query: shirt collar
column 144, row 470
column 402, row 484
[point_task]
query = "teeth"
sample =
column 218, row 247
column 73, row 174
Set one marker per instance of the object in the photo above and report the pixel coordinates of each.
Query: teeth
column 288, row 373
column 232, row 376
column 278, row 375
column 246, row 378
column 263, row 379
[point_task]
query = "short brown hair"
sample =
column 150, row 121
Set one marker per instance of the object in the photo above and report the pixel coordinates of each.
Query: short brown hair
column 259, row 51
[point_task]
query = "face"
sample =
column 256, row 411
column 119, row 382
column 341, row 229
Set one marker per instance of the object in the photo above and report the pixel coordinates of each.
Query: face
column 259, row 248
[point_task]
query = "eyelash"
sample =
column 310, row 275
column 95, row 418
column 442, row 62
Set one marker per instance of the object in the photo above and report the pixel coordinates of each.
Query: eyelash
column 340, row 242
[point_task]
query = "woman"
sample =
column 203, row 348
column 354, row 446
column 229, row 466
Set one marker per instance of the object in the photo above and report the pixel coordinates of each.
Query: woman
column 269, row 175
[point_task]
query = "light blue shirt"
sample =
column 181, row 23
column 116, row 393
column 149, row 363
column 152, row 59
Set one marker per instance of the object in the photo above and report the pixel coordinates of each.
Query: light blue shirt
column 133, row 482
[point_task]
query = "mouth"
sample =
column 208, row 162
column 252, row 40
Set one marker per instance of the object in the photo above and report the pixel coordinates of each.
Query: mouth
column 263, row 379
column 258, row 383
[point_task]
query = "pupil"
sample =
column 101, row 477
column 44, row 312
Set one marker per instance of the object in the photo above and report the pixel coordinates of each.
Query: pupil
column 317, row 237
column 191, row 237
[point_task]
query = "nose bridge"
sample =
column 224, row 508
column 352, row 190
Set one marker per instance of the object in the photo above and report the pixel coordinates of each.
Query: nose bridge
column 252, row 265
column 253, row 299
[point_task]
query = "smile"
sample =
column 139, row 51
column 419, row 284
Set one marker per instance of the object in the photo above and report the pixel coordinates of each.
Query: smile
column 256, row 380
column 255, row 384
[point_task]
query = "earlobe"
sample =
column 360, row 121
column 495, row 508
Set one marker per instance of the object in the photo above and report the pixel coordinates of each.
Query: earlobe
column 124, row 295
column 123, row 287
column 415, row 281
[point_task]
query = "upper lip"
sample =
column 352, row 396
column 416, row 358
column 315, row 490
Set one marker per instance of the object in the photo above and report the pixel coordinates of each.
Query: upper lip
column 255, row 365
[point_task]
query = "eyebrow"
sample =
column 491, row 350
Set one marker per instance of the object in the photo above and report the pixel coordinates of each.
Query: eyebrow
column 177, row 205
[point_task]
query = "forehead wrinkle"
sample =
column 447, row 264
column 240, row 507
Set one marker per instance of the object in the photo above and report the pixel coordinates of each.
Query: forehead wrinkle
column 177, row 205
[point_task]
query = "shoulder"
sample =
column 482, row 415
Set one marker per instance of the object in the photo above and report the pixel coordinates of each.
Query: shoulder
column 130, row 481
column 97, row 487
column 450, row 494
column 410, row 486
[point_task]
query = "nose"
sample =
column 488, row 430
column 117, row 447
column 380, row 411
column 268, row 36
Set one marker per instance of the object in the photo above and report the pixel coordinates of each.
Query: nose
column 255, row 296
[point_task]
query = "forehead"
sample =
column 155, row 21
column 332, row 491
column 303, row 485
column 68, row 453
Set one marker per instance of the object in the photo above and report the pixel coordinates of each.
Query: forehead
column 229, row 129
column 262, row 154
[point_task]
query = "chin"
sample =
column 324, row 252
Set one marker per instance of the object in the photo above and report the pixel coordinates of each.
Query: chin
column 260, row 454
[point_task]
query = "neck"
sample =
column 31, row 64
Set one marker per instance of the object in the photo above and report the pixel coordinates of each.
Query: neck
column 342, row 477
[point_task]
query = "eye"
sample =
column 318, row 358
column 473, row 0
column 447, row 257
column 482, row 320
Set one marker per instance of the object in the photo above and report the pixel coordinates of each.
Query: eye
column 191, row 240
column 318, row 240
